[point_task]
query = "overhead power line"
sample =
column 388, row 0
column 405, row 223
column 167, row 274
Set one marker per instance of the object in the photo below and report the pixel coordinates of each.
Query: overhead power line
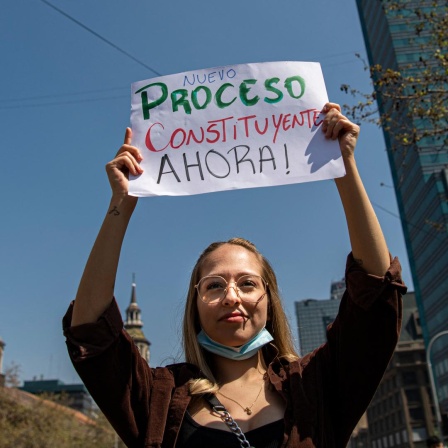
column 64, row 95
column 385, row 210
column 61, row 103
column 68, row 16
column 428, row 231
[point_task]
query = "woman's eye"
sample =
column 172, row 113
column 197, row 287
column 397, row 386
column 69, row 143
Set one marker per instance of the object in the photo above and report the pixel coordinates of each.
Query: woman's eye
column 247, row 284
column 215, row 285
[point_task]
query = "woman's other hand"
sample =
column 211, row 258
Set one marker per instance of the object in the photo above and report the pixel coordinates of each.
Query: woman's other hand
column 337, row 126
column 126, row 161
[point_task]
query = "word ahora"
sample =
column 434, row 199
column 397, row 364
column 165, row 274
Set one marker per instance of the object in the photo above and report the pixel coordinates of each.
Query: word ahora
column 221, row 166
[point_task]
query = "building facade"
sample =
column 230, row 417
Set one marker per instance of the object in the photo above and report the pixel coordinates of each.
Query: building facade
column 134, row 325
column 420, row 173
column 313, row 318
column 74, row 396
column 402, row 412
column 337, row 289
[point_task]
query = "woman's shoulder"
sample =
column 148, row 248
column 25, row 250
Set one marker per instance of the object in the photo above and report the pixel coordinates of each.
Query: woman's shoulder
column 181, row 372
column 284, row 368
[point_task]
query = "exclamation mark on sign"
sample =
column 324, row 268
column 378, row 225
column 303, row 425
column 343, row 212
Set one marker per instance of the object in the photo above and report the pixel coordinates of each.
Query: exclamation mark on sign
column 286, row 158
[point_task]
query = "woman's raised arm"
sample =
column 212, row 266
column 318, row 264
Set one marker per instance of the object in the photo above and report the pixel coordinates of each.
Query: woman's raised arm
column 96, row 287
column 369, row 247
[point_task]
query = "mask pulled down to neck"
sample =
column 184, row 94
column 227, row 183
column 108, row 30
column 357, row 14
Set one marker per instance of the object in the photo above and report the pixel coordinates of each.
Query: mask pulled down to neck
column 246, row 351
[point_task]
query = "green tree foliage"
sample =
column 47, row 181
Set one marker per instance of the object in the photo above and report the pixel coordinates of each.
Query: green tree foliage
column 412, row 98
column 27, row 421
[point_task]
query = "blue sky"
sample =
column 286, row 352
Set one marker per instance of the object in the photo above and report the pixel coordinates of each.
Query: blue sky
column 64, row 105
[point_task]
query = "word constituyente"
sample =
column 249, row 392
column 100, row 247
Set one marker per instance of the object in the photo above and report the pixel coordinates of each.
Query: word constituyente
column 200, row 97
column 230, row 128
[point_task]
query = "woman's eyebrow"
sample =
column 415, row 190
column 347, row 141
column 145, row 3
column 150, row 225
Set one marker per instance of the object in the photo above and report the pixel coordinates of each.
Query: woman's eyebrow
column 237, row 275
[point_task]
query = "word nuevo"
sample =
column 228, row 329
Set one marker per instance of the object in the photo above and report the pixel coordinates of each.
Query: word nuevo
column 229, row 128
column 210, row 77
column 200, row 97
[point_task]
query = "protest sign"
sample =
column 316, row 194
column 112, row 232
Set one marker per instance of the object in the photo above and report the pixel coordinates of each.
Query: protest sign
column 239, row 126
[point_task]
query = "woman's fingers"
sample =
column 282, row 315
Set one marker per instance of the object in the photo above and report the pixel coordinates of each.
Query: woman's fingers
column 126, row 147
column 329, row 106
column 125, row 161
column 132, row 151
column 334, row 122
column 129, row 156
column 338, row 127
column 128, row 136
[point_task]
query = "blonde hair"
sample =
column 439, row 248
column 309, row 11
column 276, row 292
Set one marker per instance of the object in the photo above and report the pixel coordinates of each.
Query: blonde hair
column 277, row 323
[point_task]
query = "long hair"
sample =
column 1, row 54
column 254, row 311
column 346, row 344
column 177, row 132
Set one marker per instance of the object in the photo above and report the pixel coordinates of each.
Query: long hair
column 277, row 323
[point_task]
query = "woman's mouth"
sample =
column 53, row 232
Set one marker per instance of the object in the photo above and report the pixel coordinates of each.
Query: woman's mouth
column 233, row 317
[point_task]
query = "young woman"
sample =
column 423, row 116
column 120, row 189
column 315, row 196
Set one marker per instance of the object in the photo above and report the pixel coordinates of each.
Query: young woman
column 237, row 342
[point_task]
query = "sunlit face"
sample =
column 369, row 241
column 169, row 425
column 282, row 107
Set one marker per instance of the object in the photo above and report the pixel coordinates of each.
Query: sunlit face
column 231, row 321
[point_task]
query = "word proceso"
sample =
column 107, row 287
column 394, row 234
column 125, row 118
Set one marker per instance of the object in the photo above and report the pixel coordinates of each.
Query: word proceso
column 224, row 96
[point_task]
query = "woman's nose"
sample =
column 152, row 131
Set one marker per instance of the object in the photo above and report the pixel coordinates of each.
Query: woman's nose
column 231, row 295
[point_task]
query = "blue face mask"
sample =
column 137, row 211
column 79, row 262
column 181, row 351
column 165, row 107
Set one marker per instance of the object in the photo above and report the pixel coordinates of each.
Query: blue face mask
column 237, row 353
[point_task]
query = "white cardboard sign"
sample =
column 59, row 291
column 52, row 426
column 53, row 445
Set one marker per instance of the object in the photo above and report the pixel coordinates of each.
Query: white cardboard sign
column 238, row 126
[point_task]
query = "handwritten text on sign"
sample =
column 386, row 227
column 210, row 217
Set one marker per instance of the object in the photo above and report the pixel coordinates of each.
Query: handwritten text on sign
column 232, row 127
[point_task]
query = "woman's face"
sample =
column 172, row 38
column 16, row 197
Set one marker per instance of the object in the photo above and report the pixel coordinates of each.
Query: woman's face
column 231, row 321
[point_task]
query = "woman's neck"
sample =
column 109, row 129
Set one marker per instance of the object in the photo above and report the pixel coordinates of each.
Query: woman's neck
column 228, row 370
